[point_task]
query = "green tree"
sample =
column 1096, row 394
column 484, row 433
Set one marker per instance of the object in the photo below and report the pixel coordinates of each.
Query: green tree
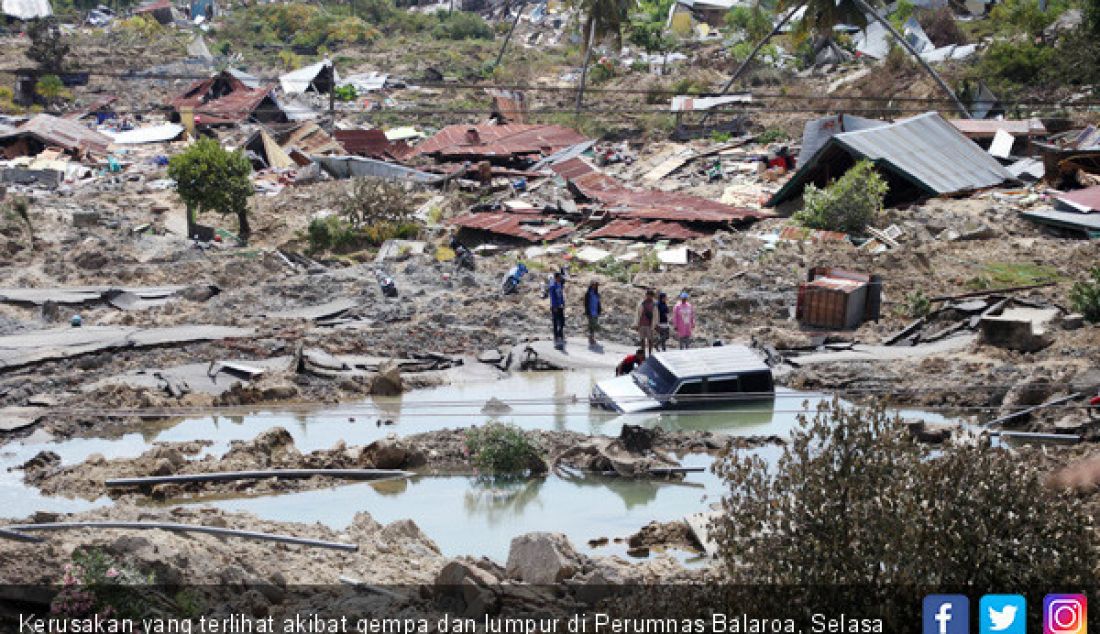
column 853, row 499
column 49, row 46
column 752, row 21
column 650, row 37
column 849, row 204
column 209, row 178
column 50, row 88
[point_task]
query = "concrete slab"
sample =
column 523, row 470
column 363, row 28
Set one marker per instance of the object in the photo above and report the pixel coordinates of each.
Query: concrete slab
column 699, row 523
column 860, row 352
column 320, row 311
column 14, row 418
column 77, row 295
column 576, row 355
column 197, row 375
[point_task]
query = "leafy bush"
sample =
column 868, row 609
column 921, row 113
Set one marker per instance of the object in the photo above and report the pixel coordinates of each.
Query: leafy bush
column 849, row 204
column 771, row 135
column 917, row 304
column 497, row 448
column 602, row 71
column 346, row 92
column 209, row 178
column 462, row 25
column 853, row 500
column 752, row 21
column 1012, row 17
column 50, row 88
column 95, row 584
column 1017, row 62
column 1085, row 296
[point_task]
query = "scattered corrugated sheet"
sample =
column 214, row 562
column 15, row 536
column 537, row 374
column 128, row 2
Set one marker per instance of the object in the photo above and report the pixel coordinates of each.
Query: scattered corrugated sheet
column 1082, row 200
column 924, row 150
column 499, row 141
column 514, row 225
column 563, row 155
column 95, row 106
column 251, row 81
column 1088, row 224
column 572, row 168
column 800, row 234
column 361, row 167
column 987, row 128
column 657, row 205
column 308, row 138
column 643, row 230
column 366, row 82
column 150, row 134
column 64, row 133
column 27, row 9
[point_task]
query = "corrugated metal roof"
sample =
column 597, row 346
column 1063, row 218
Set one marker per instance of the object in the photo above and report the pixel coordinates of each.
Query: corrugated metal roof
column 236, row 105
column 642, row 230
column 308, row 138
column 798, row 234
column 657, row 205
column 64, row 133
column 298, row 81
column 371, row 143
column 925, row 150
column 490, row 141
column 1081, row 200
column 516, row 225
column 572, row 168
column 817, row 132
column 714, row 361
column 987, row 128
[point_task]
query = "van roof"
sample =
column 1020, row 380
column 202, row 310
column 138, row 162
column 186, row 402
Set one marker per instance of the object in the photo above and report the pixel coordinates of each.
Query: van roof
column 717, row 360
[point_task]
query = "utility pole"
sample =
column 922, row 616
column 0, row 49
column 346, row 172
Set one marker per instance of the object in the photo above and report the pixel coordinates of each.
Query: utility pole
column 500, row 55
column 584, row 69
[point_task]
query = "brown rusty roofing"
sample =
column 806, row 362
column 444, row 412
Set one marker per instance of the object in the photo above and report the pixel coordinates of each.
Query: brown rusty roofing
column 233, row 102
column 499, row 141
column 525, row 226
column 64, row 133
column 309, row 138
column 643, row 230
column 657, row 205
column 372, row 143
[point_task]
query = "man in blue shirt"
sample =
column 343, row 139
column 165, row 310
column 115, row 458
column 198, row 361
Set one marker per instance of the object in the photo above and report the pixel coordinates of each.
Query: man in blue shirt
column 592, row 310
column 556, row 291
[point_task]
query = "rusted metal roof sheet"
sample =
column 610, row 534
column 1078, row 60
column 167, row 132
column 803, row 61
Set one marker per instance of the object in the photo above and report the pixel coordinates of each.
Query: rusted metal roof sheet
column 657, row 205
column 515, row 225
column 63, row 133
column 235, row 105
column 309, row 138
column 1082, row 200
column 798, row 234
column 987, row 128
column 572, row 168
column 372, row 143
column 499, row 141
column 642, row 230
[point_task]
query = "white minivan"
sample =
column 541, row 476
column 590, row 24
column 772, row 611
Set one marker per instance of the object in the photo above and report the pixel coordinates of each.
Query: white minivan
column 688, row 378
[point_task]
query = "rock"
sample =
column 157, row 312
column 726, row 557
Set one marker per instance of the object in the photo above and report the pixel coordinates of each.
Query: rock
column 282, row 392
column 171, row 454
column 1069, row 425
column 408, row 533
column 91, row 260
column 637, row 439
column 41, row 460
column 1073, row 321
column 199, row 293
column 638, row 551
column 467, row 589
column 43, row 517
column 597, row 542
column 542, row 558
column 388, row 380
column 385, row 454
column 491, row 356
column 163, row 467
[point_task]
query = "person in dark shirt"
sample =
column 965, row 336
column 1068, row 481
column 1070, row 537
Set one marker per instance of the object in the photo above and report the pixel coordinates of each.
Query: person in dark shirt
column 627, row 365
column 592, row 310
column 647, row 321
column 556, row 291
column 662, row 321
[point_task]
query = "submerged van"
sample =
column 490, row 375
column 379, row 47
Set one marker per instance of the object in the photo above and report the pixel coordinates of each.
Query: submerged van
column 685, row 378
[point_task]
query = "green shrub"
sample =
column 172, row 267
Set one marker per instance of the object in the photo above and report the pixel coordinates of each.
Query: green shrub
column 849, row 502
column 752, row 22
column 917, row 304
column 1017, row 62
column 849, row 204
column 1084, row 297
column 462, row 25
column 771, row 135
column 1013, row 17
column 497, row 448
column 346, row 92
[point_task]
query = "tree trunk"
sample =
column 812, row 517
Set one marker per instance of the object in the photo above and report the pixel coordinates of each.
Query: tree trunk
column 759, row 45
column 587, row 57
column 243, row 230
column 507, row 38
column 905, row 44
column 190, row 223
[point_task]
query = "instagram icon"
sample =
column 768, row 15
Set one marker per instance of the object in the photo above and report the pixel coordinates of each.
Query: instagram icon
column 1065, row 614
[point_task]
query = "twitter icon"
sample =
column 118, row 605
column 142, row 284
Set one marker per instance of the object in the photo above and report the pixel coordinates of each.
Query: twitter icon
column 1002, row 614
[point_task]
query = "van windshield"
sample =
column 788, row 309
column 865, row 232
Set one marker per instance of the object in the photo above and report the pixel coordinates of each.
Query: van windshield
column 654, row 378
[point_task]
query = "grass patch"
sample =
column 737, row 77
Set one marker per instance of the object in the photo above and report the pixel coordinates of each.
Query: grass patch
column 995, row 275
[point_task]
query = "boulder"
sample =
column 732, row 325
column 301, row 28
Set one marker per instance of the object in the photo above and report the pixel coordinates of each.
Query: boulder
column 467, row 589
column 542, row 558
column 385, row 454
column 388, row 380
column 409, row 536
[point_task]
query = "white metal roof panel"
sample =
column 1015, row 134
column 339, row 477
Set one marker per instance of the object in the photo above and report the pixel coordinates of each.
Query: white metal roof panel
column 27, row 9
column 714, row 361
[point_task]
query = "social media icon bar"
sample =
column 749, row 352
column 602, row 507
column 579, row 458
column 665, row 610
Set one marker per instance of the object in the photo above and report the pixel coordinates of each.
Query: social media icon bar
column 1065, row 614
column 1002, row 614
column 946, row 614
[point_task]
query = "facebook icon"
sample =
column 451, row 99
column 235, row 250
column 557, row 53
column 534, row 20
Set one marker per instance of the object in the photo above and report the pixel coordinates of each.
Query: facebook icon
column 946, row 614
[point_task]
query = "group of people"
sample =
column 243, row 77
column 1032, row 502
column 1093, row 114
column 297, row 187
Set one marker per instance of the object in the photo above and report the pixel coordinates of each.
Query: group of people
column 655, row 321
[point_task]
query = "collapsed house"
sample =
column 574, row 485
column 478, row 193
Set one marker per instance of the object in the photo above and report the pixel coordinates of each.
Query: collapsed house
column 45, row 131
column 226, row 100
column 919, row 157
column 320, row 78
column 289, row 145
column 502, row 144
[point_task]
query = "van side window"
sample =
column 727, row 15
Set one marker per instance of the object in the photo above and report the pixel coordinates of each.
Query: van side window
column 728, row 385
column 690, row 388
column 759, row 382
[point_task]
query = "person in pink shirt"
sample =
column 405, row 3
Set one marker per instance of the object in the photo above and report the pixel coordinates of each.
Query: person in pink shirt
column 683, row 321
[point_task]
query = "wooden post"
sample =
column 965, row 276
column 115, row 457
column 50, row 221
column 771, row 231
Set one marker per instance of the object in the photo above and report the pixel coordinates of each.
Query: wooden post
column 584, row 68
